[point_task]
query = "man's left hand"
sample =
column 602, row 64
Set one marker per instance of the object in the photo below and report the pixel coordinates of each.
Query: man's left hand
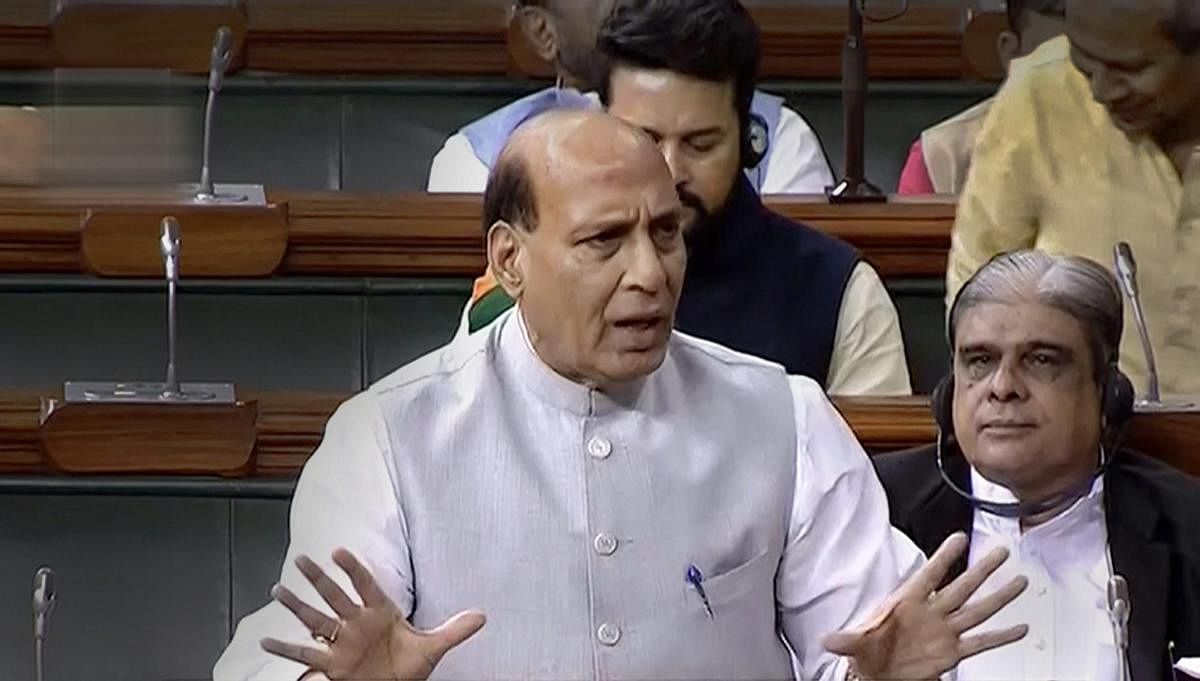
column 918, row 633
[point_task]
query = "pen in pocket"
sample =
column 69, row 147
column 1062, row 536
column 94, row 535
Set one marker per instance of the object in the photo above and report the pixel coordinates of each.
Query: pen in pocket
column 695, row 578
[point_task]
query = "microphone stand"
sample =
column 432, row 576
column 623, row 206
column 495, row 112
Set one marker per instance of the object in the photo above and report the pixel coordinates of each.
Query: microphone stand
column 221, row 55
column 43, row 603
column 854, row 187
column 170, row 391
column 1126, row 269
column 169, row 244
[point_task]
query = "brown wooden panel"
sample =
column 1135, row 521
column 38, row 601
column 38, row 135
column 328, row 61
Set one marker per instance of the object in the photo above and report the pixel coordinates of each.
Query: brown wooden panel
column 39, row 238
column 421, row 234
column 19, row 448
column 806, row 42
column 464, row 37
column 166, row 35
column 290, row 426
column 215, row 241
column 471, row 38
column 26, row 47
column 26, row 12
column 150, row 438
column 343, row 234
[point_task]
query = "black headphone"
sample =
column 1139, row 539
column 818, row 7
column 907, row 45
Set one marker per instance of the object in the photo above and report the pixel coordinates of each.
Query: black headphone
column 756, row 141
column 1117, row 408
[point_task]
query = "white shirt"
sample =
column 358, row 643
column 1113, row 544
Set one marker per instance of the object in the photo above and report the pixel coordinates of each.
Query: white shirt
column 868, row 352
column 478, row 477
column 1066, row 561
column 797, row 164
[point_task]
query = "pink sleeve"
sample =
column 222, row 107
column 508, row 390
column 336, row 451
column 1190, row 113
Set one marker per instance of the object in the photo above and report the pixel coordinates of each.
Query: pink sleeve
column 914, row 178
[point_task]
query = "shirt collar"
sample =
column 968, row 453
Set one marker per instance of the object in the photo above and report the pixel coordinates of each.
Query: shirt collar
column 531, row 373
column 1087, row 509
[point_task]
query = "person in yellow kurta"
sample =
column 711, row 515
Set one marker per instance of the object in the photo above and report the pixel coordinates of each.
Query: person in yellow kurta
column 1097, row 148
column 939, row 160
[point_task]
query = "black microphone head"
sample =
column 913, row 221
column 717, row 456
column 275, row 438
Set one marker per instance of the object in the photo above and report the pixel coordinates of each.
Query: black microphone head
column 43, row 591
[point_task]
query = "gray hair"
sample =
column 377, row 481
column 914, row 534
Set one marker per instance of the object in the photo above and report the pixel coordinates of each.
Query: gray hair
column 1082, row 288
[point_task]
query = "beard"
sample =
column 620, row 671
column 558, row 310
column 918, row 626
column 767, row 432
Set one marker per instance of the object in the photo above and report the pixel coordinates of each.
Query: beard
column 700, row 234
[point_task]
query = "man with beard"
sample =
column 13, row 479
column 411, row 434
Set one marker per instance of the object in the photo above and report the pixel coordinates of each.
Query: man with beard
column 684, row 71
column 563, row 33
column 1096, row 149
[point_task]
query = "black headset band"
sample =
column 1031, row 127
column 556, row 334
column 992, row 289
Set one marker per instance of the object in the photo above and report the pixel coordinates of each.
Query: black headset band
column 1023, row 509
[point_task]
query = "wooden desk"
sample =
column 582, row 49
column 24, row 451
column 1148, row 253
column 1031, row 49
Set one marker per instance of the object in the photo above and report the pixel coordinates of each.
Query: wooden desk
column 290, row 426
column 435, row 37
column 345, row 234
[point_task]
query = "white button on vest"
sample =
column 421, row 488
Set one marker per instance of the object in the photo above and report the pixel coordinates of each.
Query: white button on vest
column 599, row 447
column 608, row 634
column 605, row 544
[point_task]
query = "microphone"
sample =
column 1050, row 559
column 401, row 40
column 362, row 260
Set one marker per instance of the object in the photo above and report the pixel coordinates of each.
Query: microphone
column 43, row 603
column 43, row 600
column 221, row 52
column 854, row 187
column 1126, row 268
column 219, row 62
column 168, row 244
column 1117, row 598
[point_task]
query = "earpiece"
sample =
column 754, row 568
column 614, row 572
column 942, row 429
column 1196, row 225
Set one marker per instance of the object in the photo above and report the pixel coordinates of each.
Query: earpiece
column 756, row 141
column 1116, row 402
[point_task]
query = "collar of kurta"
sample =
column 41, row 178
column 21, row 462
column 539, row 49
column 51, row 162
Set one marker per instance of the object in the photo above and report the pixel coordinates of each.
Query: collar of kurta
column 528, row 372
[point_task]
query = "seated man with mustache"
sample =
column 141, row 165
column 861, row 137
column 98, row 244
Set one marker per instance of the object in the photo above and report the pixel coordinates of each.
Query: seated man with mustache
column 1029, row 459
column 685, row 71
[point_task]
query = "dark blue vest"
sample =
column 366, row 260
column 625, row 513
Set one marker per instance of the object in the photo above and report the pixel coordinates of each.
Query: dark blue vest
column 764, row 285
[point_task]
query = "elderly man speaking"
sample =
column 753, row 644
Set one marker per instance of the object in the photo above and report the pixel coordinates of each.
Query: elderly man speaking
column 621, row 500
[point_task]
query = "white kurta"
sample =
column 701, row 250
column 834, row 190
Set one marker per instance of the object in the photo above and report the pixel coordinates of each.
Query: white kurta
column 478, row 477
column 1065, row 606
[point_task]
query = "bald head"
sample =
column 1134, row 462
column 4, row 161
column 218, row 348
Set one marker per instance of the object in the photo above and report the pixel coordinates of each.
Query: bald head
column 562, row 151
column 584, row 233
column 1142, row 61
column 563, row 33
column 1178, row 20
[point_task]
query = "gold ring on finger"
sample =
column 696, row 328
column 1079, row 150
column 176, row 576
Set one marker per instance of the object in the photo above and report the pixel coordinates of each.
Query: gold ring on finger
column 331, row 638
